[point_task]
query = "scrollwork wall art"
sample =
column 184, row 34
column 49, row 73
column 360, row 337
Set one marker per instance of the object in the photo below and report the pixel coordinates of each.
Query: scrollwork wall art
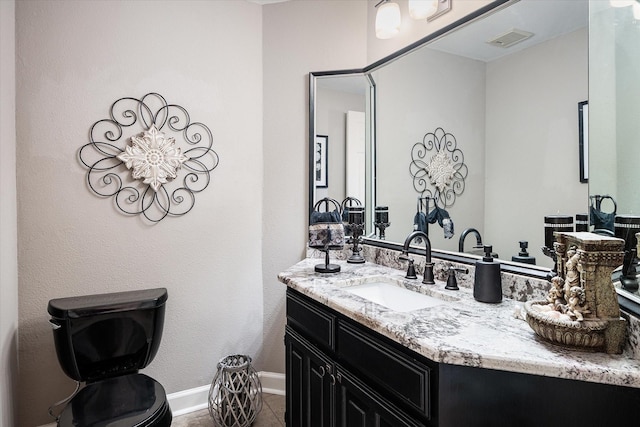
column 438, row 168
column 149, row 157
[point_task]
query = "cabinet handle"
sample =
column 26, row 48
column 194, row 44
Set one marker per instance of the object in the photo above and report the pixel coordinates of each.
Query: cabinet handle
column 339, row 377
column 333, row 380
column 322, row 372
column 328, row 368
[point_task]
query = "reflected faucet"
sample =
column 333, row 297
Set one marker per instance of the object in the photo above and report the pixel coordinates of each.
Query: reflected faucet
column 464, row 235
column 428, row 265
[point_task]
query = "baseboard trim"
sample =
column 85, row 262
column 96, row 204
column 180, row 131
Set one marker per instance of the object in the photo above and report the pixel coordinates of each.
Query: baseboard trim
column 191, row 400
column 272, row 382
column 196, row 399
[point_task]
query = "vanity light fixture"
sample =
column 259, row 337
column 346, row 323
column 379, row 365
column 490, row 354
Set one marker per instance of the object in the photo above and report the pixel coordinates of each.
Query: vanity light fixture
column 422, row 9
column 429, row 9
column 387, row 19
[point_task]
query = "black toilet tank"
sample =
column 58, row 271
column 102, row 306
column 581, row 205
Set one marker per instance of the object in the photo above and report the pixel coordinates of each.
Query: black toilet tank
column 106, row 335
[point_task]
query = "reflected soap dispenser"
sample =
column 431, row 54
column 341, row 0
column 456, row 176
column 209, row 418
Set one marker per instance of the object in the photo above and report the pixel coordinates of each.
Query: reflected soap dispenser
column 487, row 286
column 524, row 256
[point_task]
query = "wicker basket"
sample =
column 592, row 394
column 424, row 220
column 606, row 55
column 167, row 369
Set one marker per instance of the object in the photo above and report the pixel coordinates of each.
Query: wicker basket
column 235, row 396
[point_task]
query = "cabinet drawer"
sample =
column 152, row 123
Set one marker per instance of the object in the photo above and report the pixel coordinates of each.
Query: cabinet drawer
column 391, row 370
column 310, row 321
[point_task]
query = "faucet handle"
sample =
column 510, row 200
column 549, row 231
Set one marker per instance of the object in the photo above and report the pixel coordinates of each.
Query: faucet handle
column 452, row 282
column 411, row 270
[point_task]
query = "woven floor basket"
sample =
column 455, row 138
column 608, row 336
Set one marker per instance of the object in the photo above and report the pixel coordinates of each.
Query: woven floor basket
column 235, row 396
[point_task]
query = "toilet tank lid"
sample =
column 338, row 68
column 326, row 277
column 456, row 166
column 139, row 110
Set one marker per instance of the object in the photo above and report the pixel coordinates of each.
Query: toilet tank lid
column 90, row 305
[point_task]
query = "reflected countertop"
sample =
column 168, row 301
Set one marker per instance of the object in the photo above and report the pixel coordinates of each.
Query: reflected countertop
column 465, row 332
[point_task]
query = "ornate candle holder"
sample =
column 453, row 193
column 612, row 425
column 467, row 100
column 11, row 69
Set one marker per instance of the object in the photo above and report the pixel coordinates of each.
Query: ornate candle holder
column 625, row 228
column 356, row 227
column 347, row 203
column 581, row 310
column 582, row 222
column 382, row 220
column 326, row 232
column 326, row 237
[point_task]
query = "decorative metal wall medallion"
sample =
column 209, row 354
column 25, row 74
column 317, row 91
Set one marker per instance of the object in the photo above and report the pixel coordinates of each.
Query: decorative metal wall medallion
column 153, row 158
column 166, row 177
column 438, row 169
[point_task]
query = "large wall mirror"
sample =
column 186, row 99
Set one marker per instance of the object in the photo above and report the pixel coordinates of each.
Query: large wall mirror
column 614, row 109
column 511, row 108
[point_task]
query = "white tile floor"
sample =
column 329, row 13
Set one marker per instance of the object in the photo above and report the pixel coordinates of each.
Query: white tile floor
column 272, row 415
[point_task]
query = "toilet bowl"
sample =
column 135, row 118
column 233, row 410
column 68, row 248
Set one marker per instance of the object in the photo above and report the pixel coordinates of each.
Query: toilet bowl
column 103, row 341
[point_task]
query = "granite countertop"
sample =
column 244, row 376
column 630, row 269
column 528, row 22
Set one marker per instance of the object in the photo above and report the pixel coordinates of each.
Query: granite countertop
column 461, row 331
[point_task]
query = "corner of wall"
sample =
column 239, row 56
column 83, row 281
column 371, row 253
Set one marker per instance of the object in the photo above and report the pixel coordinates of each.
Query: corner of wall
column 8, row 221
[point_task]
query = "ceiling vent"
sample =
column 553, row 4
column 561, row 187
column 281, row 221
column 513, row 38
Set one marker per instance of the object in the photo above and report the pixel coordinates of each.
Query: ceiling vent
column 510, row 38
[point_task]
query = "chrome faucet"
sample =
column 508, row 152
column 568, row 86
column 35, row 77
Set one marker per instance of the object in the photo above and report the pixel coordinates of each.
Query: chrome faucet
column 464, row 235
column 428, row 265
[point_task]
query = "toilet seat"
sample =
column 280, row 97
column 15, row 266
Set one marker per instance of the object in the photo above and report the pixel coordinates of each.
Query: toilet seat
column 133, row 400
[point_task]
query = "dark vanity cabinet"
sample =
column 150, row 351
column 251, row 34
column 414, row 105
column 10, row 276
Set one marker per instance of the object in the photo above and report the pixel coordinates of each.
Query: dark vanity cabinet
column 340, row 373
column 310, row 384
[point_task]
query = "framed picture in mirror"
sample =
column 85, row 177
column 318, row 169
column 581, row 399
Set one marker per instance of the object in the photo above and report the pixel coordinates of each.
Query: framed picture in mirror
column 583, row 139
column 321, row 160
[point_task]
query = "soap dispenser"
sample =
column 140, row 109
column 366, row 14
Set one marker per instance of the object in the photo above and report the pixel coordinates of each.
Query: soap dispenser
column 487, row 286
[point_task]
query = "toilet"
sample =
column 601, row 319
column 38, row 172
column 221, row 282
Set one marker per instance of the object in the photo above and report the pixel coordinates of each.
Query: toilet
column 103, row 341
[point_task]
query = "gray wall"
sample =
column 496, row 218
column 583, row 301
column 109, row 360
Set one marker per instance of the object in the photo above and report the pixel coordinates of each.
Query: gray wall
column 8, row 231
column 331, row 119
column 532, row 163
column 415, row 98
column 514, row 119
column 73, row 60
column 298, row 37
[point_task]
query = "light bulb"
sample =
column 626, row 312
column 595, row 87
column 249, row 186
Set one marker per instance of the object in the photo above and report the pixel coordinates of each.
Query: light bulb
column 422, row 9
column 388, row 20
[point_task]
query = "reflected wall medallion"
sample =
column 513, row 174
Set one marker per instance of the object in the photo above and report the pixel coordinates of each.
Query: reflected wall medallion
column 150, row 157
column 438, row 168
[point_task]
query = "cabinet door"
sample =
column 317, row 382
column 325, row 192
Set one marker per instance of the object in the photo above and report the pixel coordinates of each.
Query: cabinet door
column 359, row 406
column 391, row 372
column 310, row 384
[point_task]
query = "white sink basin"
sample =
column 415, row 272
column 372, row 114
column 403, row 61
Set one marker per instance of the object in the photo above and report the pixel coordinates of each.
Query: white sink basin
column 389, row 293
